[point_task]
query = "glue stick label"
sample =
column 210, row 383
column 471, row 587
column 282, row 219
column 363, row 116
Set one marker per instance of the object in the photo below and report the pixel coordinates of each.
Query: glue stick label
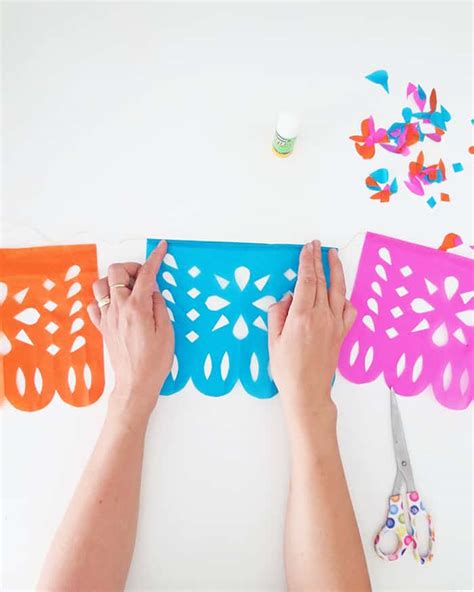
column 283, row 146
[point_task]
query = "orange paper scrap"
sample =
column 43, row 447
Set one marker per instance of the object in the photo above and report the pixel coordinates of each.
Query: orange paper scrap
column 48, row 344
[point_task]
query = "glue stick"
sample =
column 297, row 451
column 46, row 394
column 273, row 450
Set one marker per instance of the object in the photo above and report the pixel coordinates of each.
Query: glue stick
column 285, row 134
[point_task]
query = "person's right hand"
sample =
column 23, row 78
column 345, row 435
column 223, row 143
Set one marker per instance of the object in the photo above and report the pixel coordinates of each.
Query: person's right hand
column 306, row 333
column 137, row 332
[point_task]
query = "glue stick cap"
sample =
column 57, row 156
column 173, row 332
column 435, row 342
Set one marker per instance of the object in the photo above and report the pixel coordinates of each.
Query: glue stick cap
column 288, row 124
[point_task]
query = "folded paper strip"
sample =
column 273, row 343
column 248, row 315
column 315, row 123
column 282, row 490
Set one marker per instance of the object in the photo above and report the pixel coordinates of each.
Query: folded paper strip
column 48, row 343
column 218, row 295
column 415, row 322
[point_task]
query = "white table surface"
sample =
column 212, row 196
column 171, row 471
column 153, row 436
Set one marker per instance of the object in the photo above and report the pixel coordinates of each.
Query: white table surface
column 123, row 121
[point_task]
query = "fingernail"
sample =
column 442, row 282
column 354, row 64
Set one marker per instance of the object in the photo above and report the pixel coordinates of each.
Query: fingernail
column 309, row 247
column 336, row 252
column 317, row 244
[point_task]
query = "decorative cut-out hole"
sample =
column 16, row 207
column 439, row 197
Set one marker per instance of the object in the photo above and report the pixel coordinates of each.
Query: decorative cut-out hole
column 430, row 287
column 50, row 305
column 74, row 289
column 170, row 261
column 466, row 296
column 192, row 336
column 464, row 382
column 87, row 376
column 194, row 271
column 225, row 366
column 290, row 274
column 207, row 366
column 77, row 325
column 193, row 292
column 28, row 316
column 384, row 254
column 262, row 282
column 22, row 335
column 447, row 376
column 38, row 380
column 71, row 379
column 417, row 368
column 72, row 272
column 406, row 271
column 376, row 288
column 354, row 353
column 440, row 336
column 52, row 349
column 3, row 292
column 20, row 296
column 467, row 317
column 78, row 343
column 48, row 284
column 168, row 296
column 254, row 367
column 392, row 332
column 451, row 285
column 174, row 367
column 260, row 323
column 170, row 314
column 369, row 358
column 20, row 381
column 396, row 312
column 372, row 304
column 380, row 271
column 401, row 291
column 242, row 276
column 51, row 327
column 369, row 322
column 223, row 283
column 216, row 303
column 264, row 303
column 76, row 307
column 402, row 360
column 169, row 278
column 459, row 334
column 422, row 325
column 222, row 321
column 240, row 329
column 193, row 314
column 420, row 305
column 5, row 345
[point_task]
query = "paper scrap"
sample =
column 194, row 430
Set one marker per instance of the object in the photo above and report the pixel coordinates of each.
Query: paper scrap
column 378, row 181
column 450, row 241
column 379, row 77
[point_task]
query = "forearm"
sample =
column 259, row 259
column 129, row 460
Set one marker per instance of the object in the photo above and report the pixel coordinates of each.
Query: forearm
column 322, row 548
column 93, row 547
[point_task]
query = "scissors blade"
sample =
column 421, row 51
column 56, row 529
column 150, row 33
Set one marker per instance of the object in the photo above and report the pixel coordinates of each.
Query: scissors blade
column 402, row 457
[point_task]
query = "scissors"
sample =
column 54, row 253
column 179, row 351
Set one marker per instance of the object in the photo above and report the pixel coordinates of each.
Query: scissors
column 405, row 510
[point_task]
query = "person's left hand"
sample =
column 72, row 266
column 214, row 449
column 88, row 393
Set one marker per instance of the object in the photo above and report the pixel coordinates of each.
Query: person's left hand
column 137, row 331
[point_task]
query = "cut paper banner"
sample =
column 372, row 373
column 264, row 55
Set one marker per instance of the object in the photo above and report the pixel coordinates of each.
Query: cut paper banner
column 218, row 295
column 47, row 341
column 415, row 322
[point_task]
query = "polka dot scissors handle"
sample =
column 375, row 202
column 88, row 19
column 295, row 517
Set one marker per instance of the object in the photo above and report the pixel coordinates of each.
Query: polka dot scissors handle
column 407, row 517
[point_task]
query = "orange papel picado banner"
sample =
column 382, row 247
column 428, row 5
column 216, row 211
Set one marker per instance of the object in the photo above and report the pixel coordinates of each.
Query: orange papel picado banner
column 48, row 344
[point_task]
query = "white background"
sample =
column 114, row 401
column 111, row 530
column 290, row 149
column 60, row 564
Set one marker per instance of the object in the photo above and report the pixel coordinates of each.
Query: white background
column 122, row 121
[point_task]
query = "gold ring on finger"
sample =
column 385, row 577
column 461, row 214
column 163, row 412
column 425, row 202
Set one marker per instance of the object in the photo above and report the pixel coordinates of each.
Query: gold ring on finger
column 103, row 301
column 120, row 286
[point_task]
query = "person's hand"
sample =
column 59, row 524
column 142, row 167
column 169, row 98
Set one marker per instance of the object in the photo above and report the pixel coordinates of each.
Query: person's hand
column 305, row 335
column 137, row 331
